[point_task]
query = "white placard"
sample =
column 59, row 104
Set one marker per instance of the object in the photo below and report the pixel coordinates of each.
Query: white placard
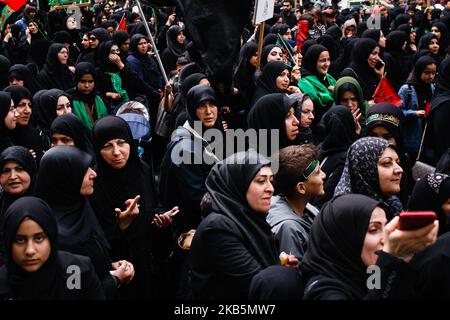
column 263, row 10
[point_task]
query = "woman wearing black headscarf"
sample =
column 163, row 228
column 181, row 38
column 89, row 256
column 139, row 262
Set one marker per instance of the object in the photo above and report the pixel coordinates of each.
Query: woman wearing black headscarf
column 41, row 272
column 347, row 237
column 362, row 67
column 24, row 134
column 430, row 42
column 96, row 37
column 19, row 74
column 176, row 47
column 316, row 82
column 234, row 242
column 441, row 31
column 244, row 74
column 56, row 73
column 36, row 44
column 411, row 47
column 124, row 180
column 273, row 79
column 69, row 130
column 86, row 103
column 52, row 103
column 122, row 39
column 275, row 111
column 396, row 71
column 432, row 193
column 416, row 95
column 146, row 69
column 372, row 168
column 339, row 130
column 5, row 65
column 65, row 181
column 376, row 35
column 8, row 118
column 437, row 136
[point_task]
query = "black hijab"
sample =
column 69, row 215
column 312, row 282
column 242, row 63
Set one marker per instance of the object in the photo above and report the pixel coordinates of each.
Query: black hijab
column 266, row 82
column 5, row 65
column 444, row 40
column 366, row 76
column 61, row 174
column 82, row 69
column 58, row 74
column 18, row 93
column 245, row 72
column 425, row 41
column 69, row 125
column 423, row 90
column 338, row 127
column 372, row 34
column 429, row 194
column 270, row 113
column 265, row 54
column 5, row 105
column 227, row 183
column 46, row 109
column 175, row 48
column 23, row 157
column 21, row 72
column 306, row 45
column 309, row 62
column 44, row 283
column 102, row 58
column 336, row 241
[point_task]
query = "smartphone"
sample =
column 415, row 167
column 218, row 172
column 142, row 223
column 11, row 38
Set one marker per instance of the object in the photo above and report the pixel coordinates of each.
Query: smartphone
column 413, row 220
column 378, row 65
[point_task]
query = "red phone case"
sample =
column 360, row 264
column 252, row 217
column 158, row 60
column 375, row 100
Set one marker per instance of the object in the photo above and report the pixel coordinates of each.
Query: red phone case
column 413, row 220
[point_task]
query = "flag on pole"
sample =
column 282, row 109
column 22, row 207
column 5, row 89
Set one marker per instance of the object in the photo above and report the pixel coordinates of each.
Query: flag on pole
column 14, row 4
column 123, row 24
column 386, row 93
column 6, row 13
column 287, row 50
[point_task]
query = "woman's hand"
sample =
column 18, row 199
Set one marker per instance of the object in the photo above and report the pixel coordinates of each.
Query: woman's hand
column 420, row 113
column 165, row 219
column 115, row 58
column 114, row 95
column 127, row 216
column 293, row 89
column 123, row 270
column 405, row 243
column 356, row 117
column 380, row 72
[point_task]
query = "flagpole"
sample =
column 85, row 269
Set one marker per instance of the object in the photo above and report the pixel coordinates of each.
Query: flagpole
column 260, row 44
column 141, row 12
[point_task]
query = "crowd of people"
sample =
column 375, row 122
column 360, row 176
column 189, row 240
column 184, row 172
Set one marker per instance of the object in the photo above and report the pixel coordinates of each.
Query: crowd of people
column 111, row 173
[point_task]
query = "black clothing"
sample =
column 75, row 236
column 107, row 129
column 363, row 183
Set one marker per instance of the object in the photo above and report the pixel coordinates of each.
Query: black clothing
column 54, row 74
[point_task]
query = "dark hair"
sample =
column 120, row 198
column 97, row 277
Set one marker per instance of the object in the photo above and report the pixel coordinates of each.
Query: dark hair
column 206, row 205
column 348, row 86
column 293, row 161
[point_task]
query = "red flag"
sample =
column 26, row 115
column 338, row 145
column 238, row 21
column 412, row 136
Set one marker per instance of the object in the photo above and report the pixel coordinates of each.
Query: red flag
column 123, row 24
column 14, row 4
column 386, row 93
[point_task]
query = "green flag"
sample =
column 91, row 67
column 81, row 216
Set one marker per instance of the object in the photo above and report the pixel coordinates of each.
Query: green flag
column 287, row 49
column 6, row 13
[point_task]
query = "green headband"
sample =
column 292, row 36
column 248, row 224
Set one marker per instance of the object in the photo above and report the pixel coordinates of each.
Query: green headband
column 310, row 169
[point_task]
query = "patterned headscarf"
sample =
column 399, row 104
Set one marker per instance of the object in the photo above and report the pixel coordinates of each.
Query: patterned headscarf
column 360, row 173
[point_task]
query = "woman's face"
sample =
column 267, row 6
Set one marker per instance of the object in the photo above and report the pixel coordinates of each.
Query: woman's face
column 275, row 55
column 389, row 173
column 63, row 55
column 116, row 153
column 412, row 36
column 383, row 133
column 382, row 40
column 85, row 41
column 291, row 124
column 31, row 246
column 307, row 114
column 434, row 46
column 254, row 60
column 33, row 28
column 428, row 74
column 24, row 112
column 436, row 31
column 14, row 179
column 373, row 57
column 59, row 139
column 260, row 191
column 287, row 35
column 374, row 240
column 282, row 81
column 13, row 81
column 206, row 112
column 93, row 41
column 86, row 84
column 349, row 100
column 11, row 117
column 181, row 38
column 323, row 63
column 142, row 46
column 350, row 31
column 87, row 186
column 63, row 106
